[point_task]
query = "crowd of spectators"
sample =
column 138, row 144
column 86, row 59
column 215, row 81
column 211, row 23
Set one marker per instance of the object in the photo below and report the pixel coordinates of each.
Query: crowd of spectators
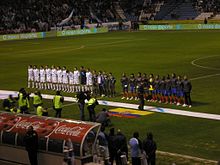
column 207, row 5
column 41, row 15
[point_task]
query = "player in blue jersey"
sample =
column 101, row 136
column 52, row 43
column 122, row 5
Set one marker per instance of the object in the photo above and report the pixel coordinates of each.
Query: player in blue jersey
column 156, row 90
column 132, row 84
column 179, row 90
column 124, row 84
column 173, row 98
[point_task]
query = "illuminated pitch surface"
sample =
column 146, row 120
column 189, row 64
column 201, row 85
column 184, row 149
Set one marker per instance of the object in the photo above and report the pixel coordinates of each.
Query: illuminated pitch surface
column 195, row 54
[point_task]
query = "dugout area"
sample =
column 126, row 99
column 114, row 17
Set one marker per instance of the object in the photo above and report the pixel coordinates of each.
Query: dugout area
column 52, row 134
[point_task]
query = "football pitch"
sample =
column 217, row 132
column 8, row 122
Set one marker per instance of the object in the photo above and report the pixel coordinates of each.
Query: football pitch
column 192, row 53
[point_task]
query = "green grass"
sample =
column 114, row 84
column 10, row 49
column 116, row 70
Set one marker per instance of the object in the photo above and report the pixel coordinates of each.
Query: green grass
column 131, row 52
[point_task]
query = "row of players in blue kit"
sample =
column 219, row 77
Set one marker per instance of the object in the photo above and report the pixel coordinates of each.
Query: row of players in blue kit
column 166, row 89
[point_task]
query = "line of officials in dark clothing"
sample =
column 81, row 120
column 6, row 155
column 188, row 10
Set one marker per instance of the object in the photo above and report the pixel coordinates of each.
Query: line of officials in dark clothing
column 118, row 147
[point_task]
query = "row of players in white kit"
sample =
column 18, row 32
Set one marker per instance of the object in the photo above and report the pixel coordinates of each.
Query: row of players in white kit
column 55, row 78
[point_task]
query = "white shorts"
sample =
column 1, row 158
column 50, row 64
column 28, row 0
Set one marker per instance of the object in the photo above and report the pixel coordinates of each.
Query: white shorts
column 60, row 80
column 71, row 81
column 31, row 78
column 36, row 79
column 48, row 79
column 76, row 82
column 42, row 79
column 54, row 79
column 89, row 83
column 65, row 81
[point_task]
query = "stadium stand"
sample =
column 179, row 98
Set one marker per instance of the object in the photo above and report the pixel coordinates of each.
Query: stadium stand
column 44, row 15
column 204, row 15
column 183, row 11
column 216, row 17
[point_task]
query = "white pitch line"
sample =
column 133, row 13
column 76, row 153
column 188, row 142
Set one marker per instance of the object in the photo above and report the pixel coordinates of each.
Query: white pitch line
column 135, row 106
column 66, row 48
column 204, row 67
column 65, row 105
column 44, row 51
column 186, row 157
column 206, row 76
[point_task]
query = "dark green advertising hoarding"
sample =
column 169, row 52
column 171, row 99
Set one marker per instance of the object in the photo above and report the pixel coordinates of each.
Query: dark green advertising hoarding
column 181, row 27
column 8, row 37
column 81, row 31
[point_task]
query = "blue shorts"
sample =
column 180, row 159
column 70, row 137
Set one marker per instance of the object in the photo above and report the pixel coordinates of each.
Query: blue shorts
column 173, row 91
column 157, row 91
column 154, row 92
column 179, row 93
column 167, row 93
column 132, row 89
column 162, row 92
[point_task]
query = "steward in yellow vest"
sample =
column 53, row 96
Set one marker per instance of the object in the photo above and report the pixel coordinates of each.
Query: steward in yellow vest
column 37, row 99
column 23, row 101
column 91, row 108
column 41, row 111
column 9, row 104
column 58, row 103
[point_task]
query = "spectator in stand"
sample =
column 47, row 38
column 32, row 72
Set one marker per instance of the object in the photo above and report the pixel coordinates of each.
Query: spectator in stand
column 150, row 147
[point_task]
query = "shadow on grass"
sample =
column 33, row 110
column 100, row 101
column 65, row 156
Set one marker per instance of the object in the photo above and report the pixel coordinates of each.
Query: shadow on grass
column 199, row 103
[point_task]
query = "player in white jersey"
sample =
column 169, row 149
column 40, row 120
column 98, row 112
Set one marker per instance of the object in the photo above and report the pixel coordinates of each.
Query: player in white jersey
column 42, row 78
column 64, row 79
column 89, row 80
column 30, row 77
column 36, row 76
column 48, row 77
column 59, row 78
column 54, row 77
column 71, row 78
column 76, row 79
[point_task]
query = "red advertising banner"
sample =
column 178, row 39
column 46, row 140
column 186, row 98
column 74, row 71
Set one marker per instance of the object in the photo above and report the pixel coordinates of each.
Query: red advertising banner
column 45, row 127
